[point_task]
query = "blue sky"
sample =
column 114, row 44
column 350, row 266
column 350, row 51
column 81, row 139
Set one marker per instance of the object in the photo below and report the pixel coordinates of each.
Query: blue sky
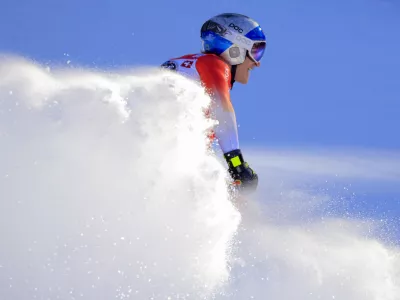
column 329, row 78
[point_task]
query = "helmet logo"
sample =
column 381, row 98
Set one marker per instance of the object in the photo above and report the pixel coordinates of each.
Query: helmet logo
column 237, row 28
column 221, row 30
column 243, row 40
column 215, row 27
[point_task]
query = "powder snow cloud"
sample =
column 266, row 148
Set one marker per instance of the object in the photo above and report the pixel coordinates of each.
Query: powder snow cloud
column 107, row 191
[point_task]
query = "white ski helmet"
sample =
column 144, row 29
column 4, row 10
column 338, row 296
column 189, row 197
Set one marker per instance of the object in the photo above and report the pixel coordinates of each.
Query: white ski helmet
column 233, row 37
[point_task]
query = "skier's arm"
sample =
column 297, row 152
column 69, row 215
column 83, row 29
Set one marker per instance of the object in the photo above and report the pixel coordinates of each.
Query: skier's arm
column 215, row 75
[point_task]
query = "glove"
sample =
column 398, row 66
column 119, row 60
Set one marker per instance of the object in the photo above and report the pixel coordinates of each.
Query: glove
column 244, row 177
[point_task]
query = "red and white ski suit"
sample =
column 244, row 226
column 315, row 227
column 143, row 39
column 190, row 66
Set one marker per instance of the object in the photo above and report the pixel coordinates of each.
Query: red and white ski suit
column 215, row 75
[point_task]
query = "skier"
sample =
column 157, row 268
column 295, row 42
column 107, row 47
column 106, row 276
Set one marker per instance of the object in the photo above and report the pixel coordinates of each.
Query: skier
column 233, row 45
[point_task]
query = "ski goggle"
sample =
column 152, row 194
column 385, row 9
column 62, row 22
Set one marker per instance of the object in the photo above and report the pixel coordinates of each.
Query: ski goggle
column 255, row 49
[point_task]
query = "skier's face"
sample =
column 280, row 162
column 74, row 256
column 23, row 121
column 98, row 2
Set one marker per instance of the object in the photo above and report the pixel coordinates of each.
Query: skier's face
column 243, row 70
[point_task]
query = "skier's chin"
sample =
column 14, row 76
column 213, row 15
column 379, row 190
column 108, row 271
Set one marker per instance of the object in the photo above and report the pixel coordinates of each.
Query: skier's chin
column 243, row 79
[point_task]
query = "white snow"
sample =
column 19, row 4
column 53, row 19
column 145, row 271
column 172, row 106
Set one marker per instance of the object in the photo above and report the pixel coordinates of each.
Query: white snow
column 107, row 191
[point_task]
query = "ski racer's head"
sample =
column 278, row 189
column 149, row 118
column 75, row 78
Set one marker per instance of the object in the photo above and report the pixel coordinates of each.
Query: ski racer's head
column 237, row 39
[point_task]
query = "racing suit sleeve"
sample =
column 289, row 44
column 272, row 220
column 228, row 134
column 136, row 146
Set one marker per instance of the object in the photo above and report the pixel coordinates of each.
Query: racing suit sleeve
column 215, row 76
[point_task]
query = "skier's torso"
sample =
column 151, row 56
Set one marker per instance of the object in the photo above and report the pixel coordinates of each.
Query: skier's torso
column 215, row 75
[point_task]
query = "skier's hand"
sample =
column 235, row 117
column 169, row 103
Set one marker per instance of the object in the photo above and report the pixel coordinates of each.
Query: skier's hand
column 243, row 176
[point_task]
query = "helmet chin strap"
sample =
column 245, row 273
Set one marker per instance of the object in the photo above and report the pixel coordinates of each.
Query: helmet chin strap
column 233, row 73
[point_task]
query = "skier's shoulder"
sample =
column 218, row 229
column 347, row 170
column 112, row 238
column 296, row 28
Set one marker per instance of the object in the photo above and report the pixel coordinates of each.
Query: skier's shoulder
column 211, row 58
column 181, row 62
column 213, row 68
column 211, row 62
column 203, row 58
